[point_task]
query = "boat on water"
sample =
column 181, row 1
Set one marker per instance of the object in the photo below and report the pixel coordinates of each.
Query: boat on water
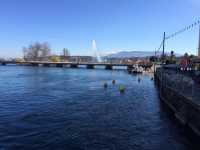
column 137, row 70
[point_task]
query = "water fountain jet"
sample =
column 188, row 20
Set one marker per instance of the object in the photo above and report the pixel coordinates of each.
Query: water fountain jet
column 96, row 53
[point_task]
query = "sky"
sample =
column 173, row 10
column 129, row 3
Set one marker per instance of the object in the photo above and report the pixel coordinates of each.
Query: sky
column 115, row 25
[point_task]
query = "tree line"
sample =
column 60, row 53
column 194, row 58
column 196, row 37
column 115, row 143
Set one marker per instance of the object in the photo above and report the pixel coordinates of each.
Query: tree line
column 41, row 52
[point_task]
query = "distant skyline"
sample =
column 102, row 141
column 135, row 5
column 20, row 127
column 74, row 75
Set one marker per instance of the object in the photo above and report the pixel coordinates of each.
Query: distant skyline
column 114, row 24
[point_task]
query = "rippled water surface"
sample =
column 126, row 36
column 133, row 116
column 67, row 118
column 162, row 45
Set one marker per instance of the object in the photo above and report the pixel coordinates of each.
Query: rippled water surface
column 59, row 108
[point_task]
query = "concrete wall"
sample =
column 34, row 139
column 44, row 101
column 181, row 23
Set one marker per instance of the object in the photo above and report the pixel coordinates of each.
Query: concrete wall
column 182, row 94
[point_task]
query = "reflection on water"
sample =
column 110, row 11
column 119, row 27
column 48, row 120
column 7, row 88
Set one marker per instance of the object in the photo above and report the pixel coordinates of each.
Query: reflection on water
column 55, row 108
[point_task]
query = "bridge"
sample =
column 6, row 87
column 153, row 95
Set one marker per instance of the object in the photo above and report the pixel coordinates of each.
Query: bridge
column 108, row 66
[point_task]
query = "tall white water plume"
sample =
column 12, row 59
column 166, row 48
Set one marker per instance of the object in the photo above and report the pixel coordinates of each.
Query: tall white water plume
column 96, row 54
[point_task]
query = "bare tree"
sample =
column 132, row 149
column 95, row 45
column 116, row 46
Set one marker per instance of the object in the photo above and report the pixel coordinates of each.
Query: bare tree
column 37, row 51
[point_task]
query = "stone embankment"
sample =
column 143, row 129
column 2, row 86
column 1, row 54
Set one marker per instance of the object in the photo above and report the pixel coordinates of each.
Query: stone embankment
column 181, row 92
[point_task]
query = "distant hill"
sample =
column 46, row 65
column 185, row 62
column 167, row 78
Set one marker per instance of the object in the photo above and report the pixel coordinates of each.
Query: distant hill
column 128, row 54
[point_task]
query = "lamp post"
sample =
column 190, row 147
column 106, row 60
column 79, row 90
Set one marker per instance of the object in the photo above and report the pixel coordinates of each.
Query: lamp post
column 163, row 52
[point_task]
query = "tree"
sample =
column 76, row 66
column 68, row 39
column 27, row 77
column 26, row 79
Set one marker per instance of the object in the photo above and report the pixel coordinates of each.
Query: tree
column 192, row 56
column 172, row 54
column 54, row 58
column 153, row 59
column 172, row 58
column 186, row 55
column 163, row 58
column 37, row 52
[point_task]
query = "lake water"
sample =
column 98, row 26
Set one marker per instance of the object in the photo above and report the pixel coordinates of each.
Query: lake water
column 60, row 108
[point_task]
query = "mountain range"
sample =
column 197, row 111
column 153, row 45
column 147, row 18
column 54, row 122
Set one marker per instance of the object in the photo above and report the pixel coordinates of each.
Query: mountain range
column 128, row 54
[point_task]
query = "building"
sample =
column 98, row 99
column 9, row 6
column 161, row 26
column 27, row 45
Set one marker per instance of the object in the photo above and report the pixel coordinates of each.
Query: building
column 77, row 59
column 83, row 59
column 66, row 52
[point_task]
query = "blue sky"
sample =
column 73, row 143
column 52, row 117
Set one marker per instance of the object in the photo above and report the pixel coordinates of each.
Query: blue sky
column 114, row 24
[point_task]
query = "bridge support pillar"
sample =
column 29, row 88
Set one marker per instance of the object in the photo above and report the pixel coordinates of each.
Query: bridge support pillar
column 90, row 66
column 73, row 66
column 46, row 65
column 130, row 68
column 34, row 64
column 59, row 65
column 108, row 67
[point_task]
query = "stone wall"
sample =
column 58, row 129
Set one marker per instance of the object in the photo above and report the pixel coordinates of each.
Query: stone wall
column 182, row 94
